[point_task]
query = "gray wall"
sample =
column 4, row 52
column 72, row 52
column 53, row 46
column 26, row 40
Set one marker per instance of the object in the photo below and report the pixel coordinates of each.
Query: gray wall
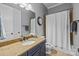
column 40, row 10
column 59, row 8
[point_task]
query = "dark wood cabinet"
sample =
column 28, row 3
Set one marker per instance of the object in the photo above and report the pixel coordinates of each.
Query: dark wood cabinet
column 43, row 49
column 38, row 50
column 37, row 53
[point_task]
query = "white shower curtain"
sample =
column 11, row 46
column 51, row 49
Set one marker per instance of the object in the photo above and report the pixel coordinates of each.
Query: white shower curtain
column 58, row 30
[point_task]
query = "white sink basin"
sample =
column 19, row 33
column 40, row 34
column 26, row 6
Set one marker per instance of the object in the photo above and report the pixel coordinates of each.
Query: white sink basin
column 28, row 42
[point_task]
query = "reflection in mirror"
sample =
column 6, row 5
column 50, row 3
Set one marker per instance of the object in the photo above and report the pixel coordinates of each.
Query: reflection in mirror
column 2, row 30
column 15, row 21
column 0, row 27
column 27, row 22
column 32, row 30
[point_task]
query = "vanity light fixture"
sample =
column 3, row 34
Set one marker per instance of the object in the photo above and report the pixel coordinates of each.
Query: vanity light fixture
column 22, row 6
column 26, row 6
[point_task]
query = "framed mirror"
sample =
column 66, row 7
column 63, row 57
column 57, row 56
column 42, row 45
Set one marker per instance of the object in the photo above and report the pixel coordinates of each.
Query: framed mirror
column 39, row 20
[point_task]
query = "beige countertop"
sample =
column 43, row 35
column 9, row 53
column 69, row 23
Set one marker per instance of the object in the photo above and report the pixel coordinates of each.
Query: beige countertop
column 17, row 48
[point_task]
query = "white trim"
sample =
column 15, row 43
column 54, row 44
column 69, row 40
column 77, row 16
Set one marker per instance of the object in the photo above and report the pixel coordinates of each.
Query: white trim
column 55, row 5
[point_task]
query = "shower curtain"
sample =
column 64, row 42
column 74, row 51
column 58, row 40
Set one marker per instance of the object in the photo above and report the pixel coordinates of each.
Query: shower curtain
column 58, row 30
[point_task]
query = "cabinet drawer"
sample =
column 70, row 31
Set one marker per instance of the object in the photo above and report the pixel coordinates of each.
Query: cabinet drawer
column 43, row 51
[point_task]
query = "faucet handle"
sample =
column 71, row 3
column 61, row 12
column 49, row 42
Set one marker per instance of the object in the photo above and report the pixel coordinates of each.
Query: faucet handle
column 24, row 38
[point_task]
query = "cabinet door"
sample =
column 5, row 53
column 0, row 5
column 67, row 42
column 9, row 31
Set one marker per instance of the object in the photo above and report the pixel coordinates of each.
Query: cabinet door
column 33, row 50
column 37, row 53
column 43, row 49
column 17, row 23
column 6, row 16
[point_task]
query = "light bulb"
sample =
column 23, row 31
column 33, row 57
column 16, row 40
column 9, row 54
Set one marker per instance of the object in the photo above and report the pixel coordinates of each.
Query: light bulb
column 28, row 7
column 15, row 3
column 21, row 5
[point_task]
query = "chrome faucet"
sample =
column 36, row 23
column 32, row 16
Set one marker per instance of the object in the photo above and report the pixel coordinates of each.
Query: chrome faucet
column 23, row 38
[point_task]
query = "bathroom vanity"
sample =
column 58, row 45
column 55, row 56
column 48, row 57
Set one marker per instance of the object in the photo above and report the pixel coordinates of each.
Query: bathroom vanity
column 18, row 23
column 18, row 49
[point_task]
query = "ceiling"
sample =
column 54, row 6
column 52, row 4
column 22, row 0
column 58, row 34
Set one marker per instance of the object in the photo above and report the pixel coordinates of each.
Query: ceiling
column 50, row 5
